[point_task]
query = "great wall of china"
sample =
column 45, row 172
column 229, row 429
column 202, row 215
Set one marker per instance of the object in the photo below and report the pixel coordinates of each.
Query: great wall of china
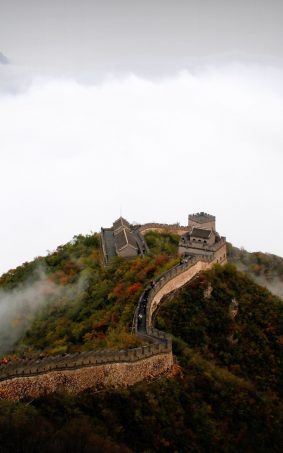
column 159, row 227
column 96, row 369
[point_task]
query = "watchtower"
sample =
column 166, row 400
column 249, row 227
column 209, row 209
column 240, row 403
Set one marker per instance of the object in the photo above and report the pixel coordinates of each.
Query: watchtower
column 202, row 220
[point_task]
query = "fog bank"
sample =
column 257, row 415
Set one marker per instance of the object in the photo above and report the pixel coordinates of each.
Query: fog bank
column 20, row 306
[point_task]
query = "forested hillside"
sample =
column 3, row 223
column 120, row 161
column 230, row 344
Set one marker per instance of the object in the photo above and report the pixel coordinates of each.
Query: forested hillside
column 225, row 394
column 77, row 303
column 247, row 342
column 266, row 269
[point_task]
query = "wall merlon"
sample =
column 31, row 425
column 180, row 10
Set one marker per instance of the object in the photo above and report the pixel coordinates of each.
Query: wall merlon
column 105, row 368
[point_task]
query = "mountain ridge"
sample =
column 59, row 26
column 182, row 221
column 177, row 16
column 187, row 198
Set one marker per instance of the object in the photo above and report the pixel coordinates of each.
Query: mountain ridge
column 225, row 397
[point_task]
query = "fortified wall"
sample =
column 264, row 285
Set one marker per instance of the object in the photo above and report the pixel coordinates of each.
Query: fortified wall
column 178, row 277
column 161, row 227
column 105, row 369
column 76, row 373
column 108, row 369
column 167, row 283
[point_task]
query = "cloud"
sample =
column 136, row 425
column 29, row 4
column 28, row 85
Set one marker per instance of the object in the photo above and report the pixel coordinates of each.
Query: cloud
column 3, row 59
column 275, row 285
column 72, row 155
column 19, row 307
column 15, row 79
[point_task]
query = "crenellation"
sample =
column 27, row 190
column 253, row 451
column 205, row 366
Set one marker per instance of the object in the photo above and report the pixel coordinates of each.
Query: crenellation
column 202, row 238
column 97, row 377
column 201, row 219
column 161, row 227
column 108, row 369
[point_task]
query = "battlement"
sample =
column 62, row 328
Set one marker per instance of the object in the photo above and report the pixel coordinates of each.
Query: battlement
column 106, row 368
column 202, row 220
column 201, row 217
column 68, row 362
column 161, row 227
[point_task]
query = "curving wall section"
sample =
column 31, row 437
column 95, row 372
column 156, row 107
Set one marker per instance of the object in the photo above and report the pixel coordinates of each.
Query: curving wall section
column 178, row 278
column 106, row 369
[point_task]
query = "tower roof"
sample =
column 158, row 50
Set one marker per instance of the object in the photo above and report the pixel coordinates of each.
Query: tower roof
column 124, row 238
column 120, row 223
column 201, row 233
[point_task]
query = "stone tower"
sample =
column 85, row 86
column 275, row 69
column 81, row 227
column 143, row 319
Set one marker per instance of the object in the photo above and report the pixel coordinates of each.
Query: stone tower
column 202, row 220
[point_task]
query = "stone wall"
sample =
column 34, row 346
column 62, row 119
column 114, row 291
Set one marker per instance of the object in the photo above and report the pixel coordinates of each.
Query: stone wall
column 107, row 369
column 198, row 248
column 220, row 255
column 177, row 280
column 210, row 224
column 110, row 375
column 163, row 227
column 202, row 220
column 184, row 250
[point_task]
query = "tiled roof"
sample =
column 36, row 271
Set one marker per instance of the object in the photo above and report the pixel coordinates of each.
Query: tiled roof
column 119, row 223
column 201, row 233
column 109, row 242
column 124, row 238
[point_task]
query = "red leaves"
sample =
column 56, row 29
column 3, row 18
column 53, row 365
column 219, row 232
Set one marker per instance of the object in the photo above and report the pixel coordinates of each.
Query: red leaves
column 119, row 290
column 160, row 260
column 150, row 270
column 134, row 288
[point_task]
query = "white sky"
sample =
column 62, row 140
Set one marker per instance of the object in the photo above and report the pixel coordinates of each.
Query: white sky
column 156, row 137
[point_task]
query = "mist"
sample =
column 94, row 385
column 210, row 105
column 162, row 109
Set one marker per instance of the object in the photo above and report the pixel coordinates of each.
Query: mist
column 273, row 282
column 73, row 156
column 3, row 59
column 19, row 307
column 275, row 285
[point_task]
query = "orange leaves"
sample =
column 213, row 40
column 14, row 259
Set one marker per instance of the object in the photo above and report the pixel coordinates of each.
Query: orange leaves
column 60, row 278
column 65, row 275
column 160, row 260
column 137, row 264
column 119, row 290
column 134, row 288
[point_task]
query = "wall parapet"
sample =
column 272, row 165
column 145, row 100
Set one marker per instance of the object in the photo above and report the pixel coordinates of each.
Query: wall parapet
column 171, row 275
column 142, row 322
column 205, row 247
column 158, row 344
column 175, row 227
column 75, row 361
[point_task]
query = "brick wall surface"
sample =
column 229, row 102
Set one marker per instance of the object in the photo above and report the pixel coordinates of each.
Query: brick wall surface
column 110, row 375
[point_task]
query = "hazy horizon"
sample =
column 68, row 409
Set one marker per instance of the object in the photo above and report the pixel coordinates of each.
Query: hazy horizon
column 153, row 109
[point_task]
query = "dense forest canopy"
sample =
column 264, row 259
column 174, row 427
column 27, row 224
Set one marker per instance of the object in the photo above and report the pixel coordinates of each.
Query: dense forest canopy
column 225, row 394
column 78, row 303
column 247, row 342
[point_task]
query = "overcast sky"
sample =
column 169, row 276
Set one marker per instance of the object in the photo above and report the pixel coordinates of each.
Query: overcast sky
column 152, row 109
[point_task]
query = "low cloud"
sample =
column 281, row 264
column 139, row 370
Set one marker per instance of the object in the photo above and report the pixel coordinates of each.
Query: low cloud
column 73, row 156
column 275, row 285
column 15, row 79
column 20, row 306
column 3, row 59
